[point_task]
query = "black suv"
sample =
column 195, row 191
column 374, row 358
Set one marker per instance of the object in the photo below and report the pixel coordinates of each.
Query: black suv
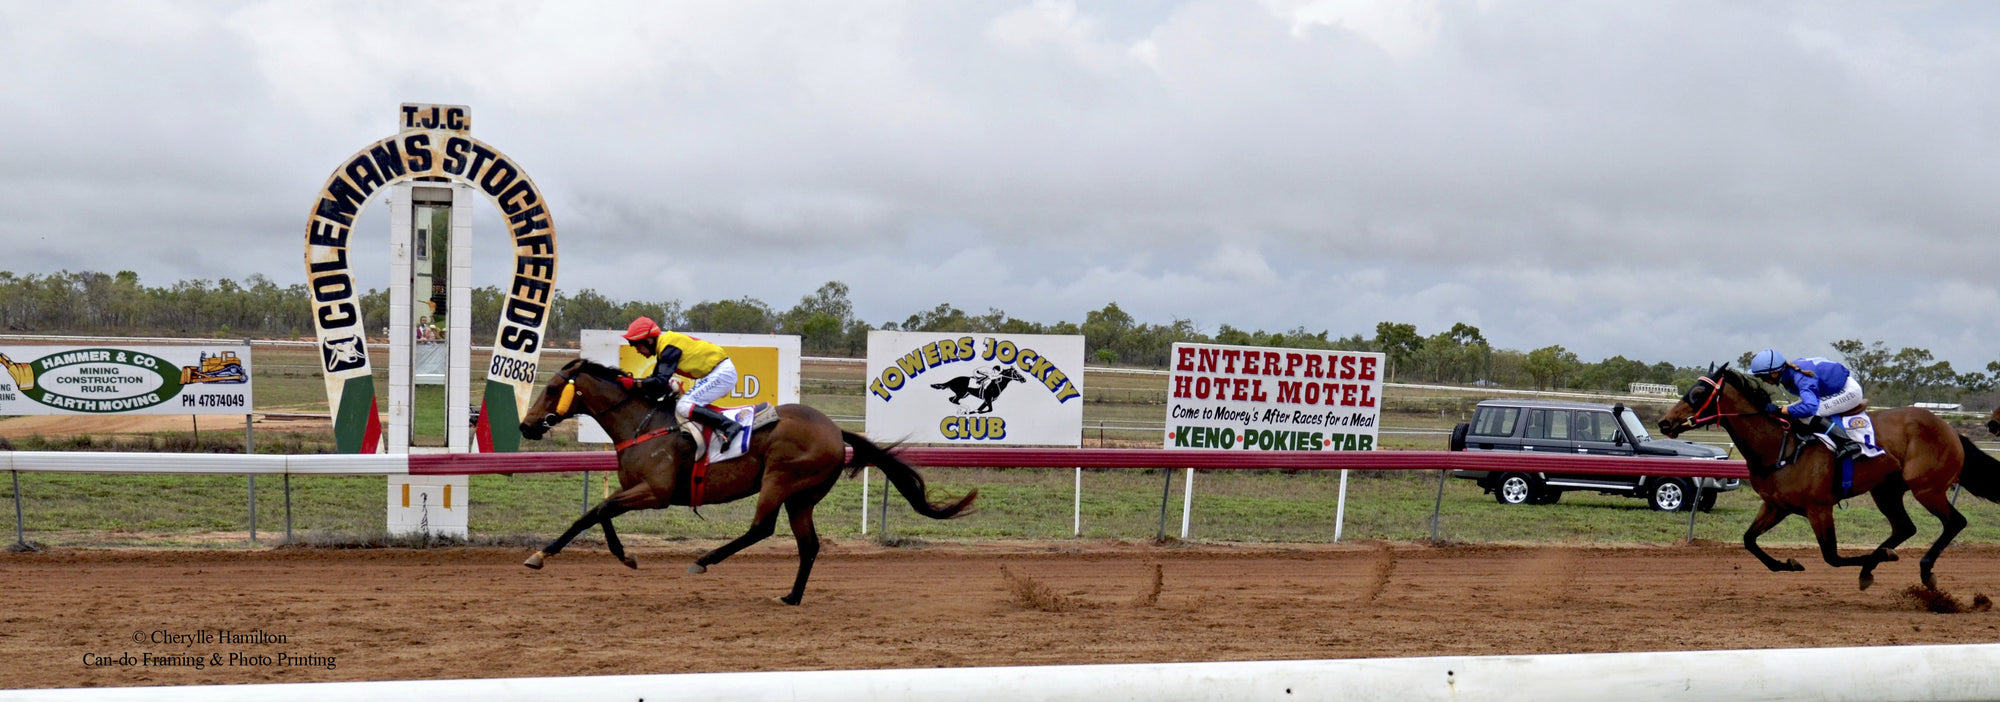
column 1579, row 427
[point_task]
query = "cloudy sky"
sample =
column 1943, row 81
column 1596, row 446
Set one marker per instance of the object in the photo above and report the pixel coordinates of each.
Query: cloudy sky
column 1677, row 181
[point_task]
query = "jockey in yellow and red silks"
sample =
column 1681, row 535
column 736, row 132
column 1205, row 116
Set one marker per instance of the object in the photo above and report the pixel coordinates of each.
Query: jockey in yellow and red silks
column 668, row 353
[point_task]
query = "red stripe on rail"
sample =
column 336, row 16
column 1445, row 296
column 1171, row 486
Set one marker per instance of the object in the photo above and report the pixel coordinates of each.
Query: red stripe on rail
column 993, row 457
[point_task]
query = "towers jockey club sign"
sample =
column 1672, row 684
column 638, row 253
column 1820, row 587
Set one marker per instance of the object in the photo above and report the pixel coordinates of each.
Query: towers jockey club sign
column 433, row 143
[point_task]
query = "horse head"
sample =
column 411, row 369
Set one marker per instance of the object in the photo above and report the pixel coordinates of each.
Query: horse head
column 581, row 387
column 1993, row 422
column 1722, row 392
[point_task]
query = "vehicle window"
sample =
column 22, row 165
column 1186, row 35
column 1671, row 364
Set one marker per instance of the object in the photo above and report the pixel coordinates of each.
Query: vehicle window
column 1548, row 424
column 1596, row 426
column 1495, row 421
column 1633, row 426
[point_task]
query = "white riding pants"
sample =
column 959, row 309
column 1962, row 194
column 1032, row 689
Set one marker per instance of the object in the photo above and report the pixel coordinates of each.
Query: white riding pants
column 1848, row 398
column 708, row 389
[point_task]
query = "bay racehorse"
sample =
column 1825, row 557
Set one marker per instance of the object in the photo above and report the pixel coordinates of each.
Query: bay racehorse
column 791, row 464
column 1798, row 475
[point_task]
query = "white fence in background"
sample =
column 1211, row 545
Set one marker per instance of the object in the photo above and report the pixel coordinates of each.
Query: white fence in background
column 1912, row 673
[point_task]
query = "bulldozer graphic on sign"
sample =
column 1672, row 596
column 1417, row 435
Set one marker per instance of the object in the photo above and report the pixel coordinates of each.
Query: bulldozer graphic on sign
column 23, row 374
column 222, row 367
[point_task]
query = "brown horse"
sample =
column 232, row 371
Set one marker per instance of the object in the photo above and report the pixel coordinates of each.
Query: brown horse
column 1993, row 421
column 792, row 463
column 1925, row 457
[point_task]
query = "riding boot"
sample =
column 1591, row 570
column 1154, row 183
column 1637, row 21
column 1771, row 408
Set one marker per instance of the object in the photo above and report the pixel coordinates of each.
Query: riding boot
column 712, row 419
column 1844, row 446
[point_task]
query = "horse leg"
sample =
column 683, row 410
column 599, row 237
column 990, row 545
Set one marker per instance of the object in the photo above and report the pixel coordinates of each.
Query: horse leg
column 611, row 539
column 762, row 527
column 1889, row 499
column 636, row 497
column 800, row 509
column 808, row 537
column 1829, row 545
column 1768, row 516
column 1938, row 502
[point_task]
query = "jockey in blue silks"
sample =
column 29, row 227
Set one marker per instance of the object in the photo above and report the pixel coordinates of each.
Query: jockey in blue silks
column 1825, row 389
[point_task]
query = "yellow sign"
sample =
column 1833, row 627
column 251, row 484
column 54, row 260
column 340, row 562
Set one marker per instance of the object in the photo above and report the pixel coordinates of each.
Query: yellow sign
column 756, row 373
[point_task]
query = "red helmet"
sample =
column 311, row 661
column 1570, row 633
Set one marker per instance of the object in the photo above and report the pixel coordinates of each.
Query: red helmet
column 642, row 328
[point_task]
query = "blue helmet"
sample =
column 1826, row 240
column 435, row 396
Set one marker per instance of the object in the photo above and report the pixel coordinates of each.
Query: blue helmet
column 1766, row 362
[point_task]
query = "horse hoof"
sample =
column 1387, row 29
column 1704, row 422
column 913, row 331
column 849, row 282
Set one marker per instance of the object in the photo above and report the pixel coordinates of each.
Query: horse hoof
column 1930, row 581
column 1887, row 554
column 1867, row 580
column 630, row 562
column 534, row 561
column 697, row 569
column 786, row 600
column 1792, row 565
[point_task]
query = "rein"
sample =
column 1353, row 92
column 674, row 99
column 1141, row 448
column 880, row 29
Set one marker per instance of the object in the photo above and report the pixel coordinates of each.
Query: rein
column 1788, row 441
column 1714, row 395
column 643, row 438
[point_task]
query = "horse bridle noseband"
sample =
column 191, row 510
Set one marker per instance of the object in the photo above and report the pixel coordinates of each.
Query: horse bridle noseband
column 565, row 403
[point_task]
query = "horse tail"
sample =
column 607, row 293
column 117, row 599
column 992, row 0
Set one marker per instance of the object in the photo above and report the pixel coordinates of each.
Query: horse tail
column 1981, row 475
column 904, row 477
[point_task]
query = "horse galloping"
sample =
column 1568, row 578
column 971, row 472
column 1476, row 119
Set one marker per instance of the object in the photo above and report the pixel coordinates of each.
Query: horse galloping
column 791, row 464
column 962, row 386
column 1924, row 457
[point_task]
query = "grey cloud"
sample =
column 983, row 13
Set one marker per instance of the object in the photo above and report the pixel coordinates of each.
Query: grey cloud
column 1661, row 180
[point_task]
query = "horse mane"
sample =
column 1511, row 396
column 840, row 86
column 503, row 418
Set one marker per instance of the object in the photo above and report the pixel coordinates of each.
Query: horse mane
column 1751, row 389
column 595, row 369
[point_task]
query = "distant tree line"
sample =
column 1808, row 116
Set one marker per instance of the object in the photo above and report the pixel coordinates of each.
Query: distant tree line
column 118, row 304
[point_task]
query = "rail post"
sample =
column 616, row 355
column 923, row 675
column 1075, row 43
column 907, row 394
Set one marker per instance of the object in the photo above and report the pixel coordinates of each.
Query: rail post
column 250, row 449
column 1437, row 508
column 1166, row 493
column 20, row 538
column 1694, row 508
column 885, row 507
column 288, row 507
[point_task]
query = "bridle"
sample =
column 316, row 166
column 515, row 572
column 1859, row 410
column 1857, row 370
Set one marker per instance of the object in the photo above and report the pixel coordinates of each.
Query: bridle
column 565, row 403
column 1711, row 412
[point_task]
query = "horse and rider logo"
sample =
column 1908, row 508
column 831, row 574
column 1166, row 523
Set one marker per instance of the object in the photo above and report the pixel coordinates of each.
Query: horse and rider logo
column 342, row 354
column 985, row 384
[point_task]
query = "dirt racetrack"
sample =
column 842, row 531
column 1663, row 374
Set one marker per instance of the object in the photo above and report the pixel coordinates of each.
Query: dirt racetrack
column 70, row 617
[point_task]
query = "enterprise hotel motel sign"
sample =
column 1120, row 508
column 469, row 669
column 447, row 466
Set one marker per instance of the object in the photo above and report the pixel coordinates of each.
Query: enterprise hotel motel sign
column 1271, row 399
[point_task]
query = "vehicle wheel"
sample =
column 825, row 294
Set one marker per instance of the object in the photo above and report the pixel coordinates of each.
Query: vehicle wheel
column 1546, row 496
column 1516, row 489
column 1707, row 503
column 1458, row 436
column 1669, row 494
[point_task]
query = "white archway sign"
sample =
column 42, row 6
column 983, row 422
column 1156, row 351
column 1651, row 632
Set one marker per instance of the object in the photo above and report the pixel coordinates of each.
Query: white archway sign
column 434, row 144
